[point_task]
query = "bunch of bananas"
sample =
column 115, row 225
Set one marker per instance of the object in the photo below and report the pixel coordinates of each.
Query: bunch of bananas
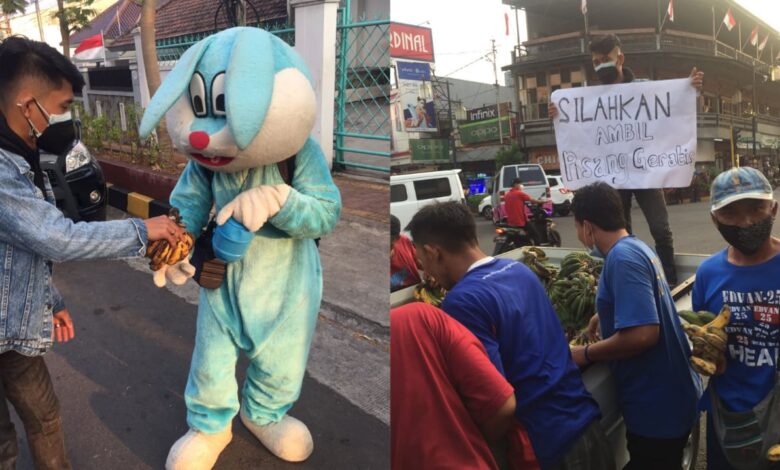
column 429, row 293
column 577, row 262
column 574, row 299
column 536, row 260
column 696, row 318
column 581, row 339
column 709, row 343
column 161, row 252
column 773, row 455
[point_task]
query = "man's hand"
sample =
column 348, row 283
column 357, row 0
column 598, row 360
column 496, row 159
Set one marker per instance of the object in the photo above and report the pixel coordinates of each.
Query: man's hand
column 62, row 330
column 593, row 328
column 697, row 79
column 255, row 206
column 552, row 110
column 177, row 273
column 578, row 354
column 163, row 228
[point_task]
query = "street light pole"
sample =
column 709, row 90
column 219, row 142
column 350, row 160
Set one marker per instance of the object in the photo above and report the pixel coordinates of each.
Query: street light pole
column 755, row 109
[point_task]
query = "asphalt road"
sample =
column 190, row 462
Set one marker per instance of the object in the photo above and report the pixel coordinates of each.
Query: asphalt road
column 120, row 382
column 692, row 229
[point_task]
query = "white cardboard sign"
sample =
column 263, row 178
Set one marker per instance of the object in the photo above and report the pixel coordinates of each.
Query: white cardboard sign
column 632, row 135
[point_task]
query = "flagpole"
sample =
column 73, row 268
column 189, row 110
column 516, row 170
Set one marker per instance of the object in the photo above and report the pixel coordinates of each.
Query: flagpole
column 103, row 44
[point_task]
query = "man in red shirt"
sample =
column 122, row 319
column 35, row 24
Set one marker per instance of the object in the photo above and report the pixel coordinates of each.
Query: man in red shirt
column 404, row 267
column 448, row 402
column 514, row 202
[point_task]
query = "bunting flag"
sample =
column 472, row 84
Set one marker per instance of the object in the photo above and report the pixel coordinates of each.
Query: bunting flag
column 729, row 20
column 763, row 43
column 670, row 10
column 584, row 7
column 754, row 36
column 506, row 22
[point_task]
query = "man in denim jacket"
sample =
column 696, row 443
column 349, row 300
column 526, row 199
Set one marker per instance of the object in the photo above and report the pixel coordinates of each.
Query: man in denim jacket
column 37, row 85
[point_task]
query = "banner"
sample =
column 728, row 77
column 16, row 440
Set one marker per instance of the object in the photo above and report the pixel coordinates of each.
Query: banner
column 484, row 131
column 411, row 42
column 487, row 112
column 416, row 96
column 631, row 136
column 429, row 150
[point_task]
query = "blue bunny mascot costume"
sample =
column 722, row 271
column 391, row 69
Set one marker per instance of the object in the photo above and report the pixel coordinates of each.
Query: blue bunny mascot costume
column 237, row 103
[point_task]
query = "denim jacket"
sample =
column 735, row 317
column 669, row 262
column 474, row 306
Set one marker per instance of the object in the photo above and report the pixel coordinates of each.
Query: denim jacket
column 33, row 233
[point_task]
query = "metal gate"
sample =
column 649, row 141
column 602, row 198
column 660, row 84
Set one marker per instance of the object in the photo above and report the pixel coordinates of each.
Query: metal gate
column 362, row 114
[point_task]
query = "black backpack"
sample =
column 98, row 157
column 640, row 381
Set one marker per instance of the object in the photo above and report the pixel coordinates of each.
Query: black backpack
column 209, row 270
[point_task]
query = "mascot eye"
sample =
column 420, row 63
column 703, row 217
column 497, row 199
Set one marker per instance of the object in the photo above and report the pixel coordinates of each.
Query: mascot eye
column 198, row 95
column 218, row 94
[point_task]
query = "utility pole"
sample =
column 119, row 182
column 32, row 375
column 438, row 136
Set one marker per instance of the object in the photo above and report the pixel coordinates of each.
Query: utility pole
column 498, row 105
column 755, row 109
column 451, row 127
column 40, row 23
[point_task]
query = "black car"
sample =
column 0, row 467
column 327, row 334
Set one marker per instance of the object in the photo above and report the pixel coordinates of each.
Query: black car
column 78, row 183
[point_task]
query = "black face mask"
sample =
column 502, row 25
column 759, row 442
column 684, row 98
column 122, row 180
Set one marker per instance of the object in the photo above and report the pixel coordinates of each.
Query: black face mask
column 58, row 136
column 747, row 239
column 607, row 75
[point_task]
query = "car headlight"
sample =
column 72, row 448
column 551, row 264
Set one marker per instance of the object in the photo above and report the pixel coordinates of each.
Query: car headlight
column 77, row 157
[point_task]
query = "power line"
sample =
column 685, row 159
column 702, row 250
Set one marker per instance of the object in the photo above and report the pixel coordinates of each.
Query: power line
column 467, row 65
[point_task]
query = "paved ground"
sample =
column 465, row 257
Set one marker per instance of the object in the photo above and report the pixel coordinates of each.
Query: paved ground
column 121, row 381
column 691, row 226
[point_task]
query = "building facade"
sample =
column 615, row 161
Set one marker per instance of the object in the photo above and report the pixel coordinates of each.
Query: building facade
column 738, row 91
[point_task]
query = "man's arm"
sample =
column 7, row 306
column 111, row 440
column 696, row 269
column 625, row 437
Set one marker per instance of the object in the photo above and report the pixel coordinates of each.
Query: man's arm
column 624, row 344
column 636, row 315
column 496, row 427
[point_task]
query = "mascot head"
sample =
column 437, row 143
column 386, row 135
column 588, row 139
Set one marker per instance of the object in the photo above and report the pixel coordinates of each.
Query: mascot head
column 238, row 99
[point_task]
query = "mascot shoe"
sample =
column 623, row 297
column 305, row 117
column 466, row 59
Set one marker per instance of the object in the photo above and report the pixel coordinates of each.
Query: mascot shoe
column 197, row 451
column 289, row 439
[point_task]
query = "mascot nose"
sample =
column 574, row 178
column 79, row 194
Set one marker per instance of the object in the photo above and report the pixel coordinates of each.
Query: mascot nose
column 199, row 140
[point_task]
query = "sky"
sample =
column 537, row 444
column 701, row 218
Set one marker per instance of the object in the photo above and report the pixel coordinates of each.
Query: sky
column 458, row 45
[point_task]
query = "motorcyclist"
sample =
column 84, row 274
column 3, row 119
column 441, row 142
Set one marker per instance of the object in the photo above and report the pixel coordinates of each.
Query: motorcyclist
column 514, row 203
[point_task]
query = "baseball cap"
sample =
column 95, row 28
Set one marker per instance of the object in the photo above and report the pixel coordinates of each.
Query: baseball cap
column 737, row 184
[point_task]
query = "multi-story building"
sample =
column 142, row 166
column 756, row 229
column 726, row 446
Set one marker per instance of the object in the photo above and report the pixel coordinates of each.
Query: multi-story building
column 738, row 83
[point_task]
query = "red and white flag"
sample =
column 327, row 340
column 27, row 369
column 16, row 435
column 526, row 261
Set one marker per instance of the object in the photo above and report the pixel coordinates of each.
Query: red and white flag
column 90, row 49
column 670, row 10
column 763, row 43
column 584, row 7
column 729, row 20
column 506, row 22
column 754, row 36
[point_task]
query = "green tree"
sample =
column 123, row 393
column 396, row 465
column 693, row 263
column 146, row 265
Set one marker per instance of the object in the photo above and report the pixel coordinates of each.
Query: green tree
column 509, row 156
column 9, row 7
column 73, row 15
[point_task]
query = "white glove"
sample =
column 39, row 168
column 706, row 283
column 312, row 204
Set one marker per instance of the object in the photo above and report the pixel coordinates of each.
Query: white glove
column 177, row 274
column 255, row 206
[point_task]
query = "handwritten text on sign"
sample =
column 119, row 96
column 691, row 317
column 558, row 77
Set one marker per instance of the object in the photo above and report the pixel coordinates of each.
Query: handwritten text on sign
column 631, row 136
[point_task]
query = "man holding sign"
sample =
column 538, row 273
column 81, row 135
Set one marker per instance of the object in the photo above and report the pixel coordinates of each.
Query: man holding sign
column 637, row 138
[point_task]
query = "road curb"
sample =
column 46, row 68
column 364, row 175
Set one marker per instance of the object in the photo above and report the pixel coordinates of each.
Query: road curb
column 135, row 204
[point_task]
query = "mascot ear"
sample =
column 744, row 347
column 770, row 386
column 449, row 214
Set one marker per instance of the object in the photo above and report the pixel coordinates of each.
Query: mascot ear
column 249, row 84
column 177, row 81
column 286, row 57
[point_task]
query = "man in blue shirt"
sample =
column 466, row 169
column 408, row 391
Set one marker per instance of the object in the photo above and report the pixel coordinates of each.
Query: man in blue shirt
column 746, row 276
column 503, row 303
column 644, row 343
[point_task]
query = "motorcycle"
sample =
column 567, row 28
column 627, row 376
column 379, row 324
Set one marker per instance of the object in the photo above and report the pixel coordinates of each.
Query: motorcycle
column 539, row 231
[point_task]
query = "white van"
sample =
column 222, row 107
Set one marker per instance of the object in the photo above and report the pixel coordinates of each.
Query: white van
column 411, row 192
column 534, row 181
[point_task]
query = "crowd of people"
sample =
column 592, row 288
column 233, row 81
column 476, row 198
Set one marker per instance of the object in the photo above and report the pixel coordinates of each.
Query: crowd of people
column 453, row 367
